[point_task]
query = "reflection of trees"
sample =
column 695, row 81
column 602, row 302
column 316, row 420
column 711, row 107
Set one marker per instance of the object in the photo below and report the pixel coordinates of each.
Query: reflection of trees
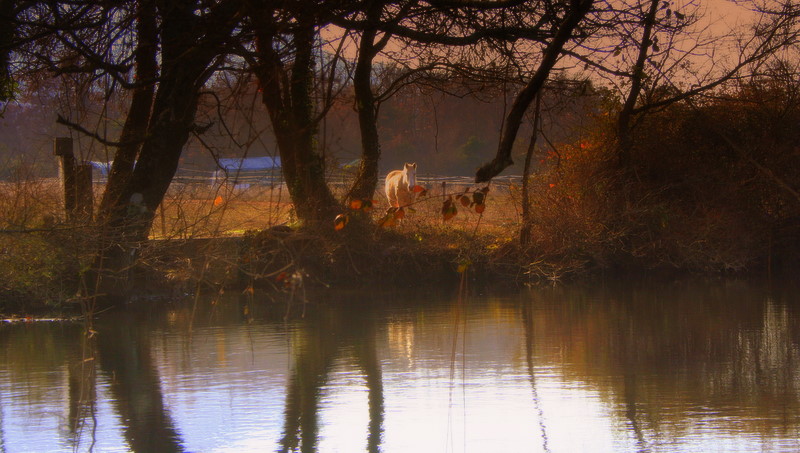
column 125, row 357
column 320, row 339
column 709, row 345
column 82, row 387
column 2, row 424
column 50, row 346
column 527, row 324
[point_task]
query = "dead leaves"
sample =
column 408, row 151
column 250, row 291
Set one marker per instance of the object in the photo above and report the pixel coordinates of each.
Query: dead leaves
column 392, row 216
column 476, row 201
column 341, row 221
column 362, row 205
column 449, row 208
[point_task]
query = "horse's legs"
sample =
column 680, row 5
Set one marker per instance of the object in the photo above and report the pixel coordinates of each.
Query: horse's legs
column 391, row 195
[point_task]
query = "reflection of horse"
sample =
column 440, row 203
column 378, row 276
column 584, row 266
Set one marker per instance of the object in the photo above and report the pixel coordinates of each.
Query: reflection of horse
column 400, row 185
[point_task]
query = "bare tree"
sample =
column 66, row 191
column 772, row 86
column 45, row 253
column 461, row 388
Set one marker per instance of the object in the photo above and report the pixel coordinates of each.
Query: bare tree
column 663, row 53
column 370, row 44
column 283, row 60
column 164, row 53
column 573, row 14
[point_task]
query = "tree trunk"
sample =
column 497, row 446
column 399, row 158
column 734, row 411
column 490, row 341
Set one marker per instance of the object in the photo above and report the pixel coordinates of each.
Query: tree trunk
column 135, row 127
column 317, row 205
column 187, row 52
column 525, row 229
column 367, row 177
column 637, row 77
column 288, row 98
column 138, row 187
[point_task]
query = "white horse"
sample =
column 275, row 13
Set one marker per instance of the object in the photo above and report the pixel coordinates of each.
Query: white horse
column 400, row 185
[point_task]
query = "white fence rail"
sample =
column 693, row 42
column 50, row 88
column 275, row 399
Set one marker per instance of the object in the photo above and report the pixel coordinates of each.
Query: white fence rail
column 244, row 180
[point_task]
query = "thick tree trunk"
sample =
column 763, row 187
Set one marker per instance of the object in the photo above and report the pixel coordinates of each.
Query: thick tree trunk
column 367, row 178
column 159, row 158
column 135, row 128
column 139, row 185
column 317, row 205
column 110, row 269
column 187, row 52
column 129, row 224
column 287, row 94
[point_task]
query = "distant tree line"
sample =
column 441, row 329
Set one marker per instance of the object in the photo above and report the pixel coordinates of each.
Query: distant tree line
column 448, row 135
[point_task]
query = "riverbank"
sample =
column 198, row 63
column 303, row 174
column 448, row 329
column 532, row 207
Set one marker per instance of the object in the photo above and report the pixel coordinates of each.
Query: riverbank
column 46, row 277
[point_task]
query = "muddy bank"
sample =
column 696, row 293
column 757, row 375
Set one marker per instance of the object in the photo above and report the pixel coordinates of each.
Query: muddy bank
column 281, row 259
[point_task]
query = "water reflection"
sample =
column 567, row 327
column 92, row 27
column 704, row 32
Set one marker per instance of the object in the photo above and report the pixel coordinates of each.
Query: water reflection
column 38, row 361
column 123, row 343
column 324, row 336
column 82, row 388
column 682, row 364
column 530, row 339
column 682, row 368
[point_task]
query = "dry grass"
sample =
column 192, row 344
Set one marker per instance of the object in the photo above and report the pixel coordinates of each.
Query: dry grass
column 38, row 259
column 199, row 210
column 191, row 211
column 39, row 251
column 29, row 203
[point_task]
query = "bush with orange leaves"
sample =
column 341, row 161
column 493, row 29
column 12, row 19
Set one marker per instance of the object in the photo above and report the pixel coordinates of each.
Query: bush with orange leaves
column 710, row 188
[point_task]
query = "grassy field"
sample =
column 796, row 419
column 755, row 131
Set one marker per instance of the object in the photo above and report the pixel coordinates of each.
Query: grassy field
column 41, row 254
column 205, row 210
column 201, row 211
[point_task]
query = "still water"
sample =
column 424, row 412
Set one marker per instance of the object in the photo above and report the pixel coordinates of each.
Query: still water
column 679, row 367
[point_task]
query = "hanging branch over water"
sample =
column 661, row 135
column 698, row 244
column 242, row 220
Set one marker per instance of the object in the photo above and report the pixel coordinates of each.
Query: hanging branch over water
column 577, row 11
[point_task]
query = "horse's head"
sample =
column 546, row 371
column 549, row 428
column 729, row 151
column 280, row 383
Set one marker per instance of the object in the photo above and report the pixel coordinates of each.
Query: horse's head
column 410, row 174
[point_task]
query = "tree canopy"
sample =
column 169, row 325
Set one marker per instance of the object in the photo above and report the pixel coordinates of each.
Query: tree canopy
column 160, row 61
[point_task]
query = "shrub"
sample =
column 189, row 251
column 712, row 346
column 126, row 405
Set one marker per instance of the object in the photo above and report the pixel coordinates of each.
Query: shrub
column 36, row 271
column 710, row 189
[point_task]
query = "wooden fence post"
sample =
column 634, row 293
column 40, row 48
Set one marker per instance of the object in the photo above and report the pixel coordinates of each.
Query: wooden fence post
column 76, row 181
